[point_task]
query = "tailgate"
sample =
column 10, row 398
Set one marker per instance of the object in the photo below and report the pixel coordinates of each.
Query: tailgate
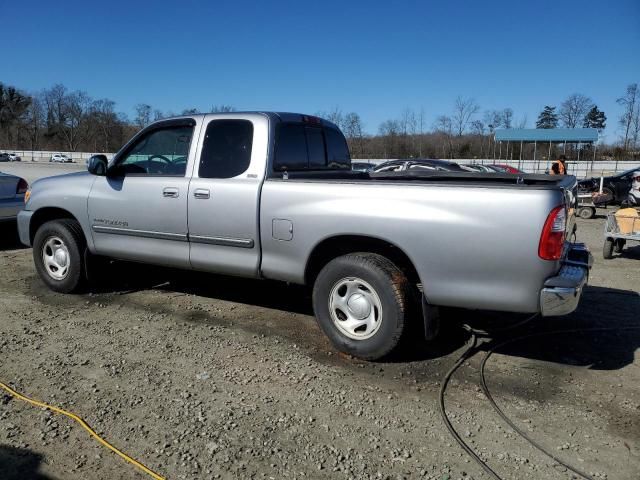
column 8, row 184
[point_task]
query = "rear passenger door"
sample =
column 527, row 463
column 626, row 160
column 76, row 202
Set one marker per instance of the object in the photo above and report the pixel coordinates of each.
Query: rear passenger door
column 224, row 194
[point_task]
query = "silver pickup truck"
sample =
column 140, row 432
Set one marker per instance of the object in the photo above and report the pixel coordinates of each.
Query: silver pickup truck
column 272, row 195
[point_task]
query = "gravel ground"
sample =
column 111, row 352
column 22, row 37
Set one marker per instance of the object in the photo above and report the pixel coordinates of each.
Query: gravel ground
column 201, row 376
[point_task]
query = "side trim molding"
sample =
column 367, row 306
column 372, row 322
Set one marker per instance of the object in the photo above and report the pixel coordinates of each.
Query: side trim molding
column 179, row 237
column 223, row 241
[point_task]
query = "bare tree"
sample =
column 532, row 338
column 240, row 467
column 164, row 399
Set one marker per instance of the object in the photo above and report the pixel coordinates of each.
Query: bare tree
column 143, row 115
column 389, row 131
column 493, row 119
column 629, row 102
column 507, row 117
column 444, row 126
column 463, row 112
column 573, row 110
column 13, row 109
column 106, row 124
column 335, row 116
column 353, row 130
column 222, row 108
column 76, row 125
column 523, row 121
column 35, row 120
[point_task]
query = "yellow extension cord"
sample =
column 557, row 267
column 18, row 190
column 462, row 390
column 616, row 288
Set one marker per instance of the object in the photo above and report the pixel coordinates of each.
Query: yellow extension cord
column 86, row 426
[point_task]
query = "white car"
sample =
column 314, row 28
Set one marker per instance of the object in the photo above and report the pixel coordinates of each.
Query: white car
column 60, row 158
column 14, row 157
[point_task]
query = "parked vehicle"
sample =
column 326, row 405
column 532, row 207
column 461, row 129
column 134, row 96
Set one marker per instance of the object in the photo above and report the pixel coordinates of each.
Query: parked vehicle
column 621, row 227
column 60, row 158
column 268, row 195
column 362, row 166
column 477, row 167
column 617, row 186
column 9, row 157
column 12, row 191
column 506, row 168
column 418, row 164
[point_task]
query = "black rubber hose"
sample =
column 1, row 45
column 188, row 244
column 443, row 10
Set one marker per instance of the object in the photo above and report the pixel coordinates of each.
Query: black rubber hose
column 468, row 353
column 507, row 420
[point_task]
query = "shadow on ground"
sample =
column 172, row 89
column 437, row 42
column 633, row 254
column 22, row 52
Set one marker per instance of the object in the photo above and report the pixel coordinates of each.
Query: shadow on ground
column 9, row 239
column 20, row 464
column 600, row 307
column 603, row 334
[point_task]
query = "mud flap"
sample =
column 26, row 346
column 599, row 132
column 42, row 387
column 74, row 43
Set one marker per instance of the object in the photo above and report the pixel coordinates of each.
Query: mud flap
column 430, row 319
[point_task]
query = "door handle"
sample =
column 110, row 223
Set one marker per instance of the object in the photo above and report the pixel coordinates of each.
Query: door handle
column 171, row 192
column 201, row 193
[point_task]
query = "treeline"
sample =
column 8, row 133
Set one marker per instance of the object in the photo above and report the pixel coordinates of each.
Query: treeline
column 60, row 119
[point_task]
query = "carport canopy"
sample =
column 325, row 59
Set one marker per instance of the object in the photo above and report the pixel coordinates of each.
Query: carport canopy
column 554, row 135
column 545, row 135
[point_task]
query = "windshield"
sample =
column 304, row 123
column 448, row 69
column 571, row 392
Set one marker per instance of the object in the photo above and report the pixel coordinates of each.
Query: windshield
column 627, row 172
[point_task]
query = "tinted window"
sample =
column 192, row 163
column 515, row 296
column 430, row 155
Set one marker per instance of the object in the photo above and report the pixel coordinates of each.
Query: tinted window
column 226, row 151
column 337, row 150
column 159, row 152
column 291, row 148
column 315, row 148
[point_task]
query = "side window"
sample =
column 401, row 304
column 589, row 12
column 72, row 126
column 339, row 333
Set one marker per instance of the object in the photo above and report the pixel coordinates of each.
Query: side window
column 337, row 149
column 291, row 148
column 159, row 152
column 226, row 151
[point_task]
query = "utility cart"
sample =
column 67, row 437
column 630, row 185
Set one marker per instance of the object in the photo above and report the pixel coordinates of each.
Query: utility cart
column 588, row 201
column 621, row 226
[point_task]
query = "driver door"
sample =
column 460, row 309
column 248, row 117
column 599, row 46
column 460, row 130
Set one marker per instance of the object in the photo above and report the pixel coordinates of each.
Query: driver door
column 139, row 210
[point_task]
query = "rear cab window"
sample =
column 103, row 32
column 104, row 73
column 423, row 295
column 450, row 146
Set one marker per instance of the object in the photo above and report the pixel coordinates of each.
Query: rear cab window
column 301, row 147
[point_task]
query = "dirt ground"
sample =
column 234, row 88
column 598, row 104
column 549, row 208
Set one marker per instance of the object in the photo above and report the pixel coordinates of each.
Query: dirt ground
column 200, row 376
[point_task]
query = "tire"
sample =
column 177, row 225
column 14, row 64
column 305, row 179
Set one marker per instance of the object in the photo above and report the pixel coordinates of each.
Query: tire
column 607, row 250
column 58, row 253
column 378, row 287
column 586, row 212
column 619, row 244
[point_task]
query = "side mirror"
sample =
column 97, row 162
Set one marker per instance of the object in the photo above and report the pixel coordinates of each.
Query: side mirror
column 97, row 165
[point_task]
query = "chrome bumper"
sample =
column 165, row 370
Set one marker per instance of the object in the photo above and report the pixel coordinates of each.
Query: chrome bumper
column 561, row 294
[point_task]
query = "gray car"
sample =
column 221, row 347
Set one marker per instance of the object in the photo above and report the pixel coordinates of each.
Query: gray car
column 272, row 195
column 12, row 191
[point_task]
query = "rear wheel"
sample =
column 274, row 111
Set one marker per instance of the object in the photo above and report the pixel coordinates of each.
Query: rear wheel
column 607, row 250
column 586, row 212
column 361, row 302
column 58, row 253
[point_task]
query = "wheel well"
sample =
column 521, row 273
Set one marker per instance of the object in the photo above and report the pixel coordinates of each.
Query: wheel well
column 337, row 246
column 44, row 215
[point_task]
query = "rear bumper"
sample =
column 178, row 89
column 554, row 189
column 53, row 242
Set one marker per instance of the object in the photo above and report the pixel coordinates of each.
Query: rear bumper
column 24, row 221
column 561, row 293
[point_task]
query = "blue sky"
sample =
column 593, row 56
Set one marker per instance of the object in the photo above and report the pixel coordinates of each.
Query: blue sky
column 374, row 58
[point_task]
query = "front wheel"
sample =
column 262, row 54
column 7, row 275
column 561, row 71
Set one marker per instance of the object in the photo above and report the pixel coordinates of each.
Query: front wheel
column 58, row 253
column 361, row 302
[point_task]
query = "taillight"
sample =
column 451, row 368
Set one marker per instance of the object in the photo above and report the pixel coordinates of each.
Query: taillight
column 22, row 187
column 553, row 234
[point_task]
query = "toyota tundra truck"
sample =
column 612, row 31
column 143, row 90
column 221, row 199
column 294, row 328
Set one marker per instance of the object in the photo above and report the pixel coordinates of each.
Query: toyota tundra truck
column 272, row 196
